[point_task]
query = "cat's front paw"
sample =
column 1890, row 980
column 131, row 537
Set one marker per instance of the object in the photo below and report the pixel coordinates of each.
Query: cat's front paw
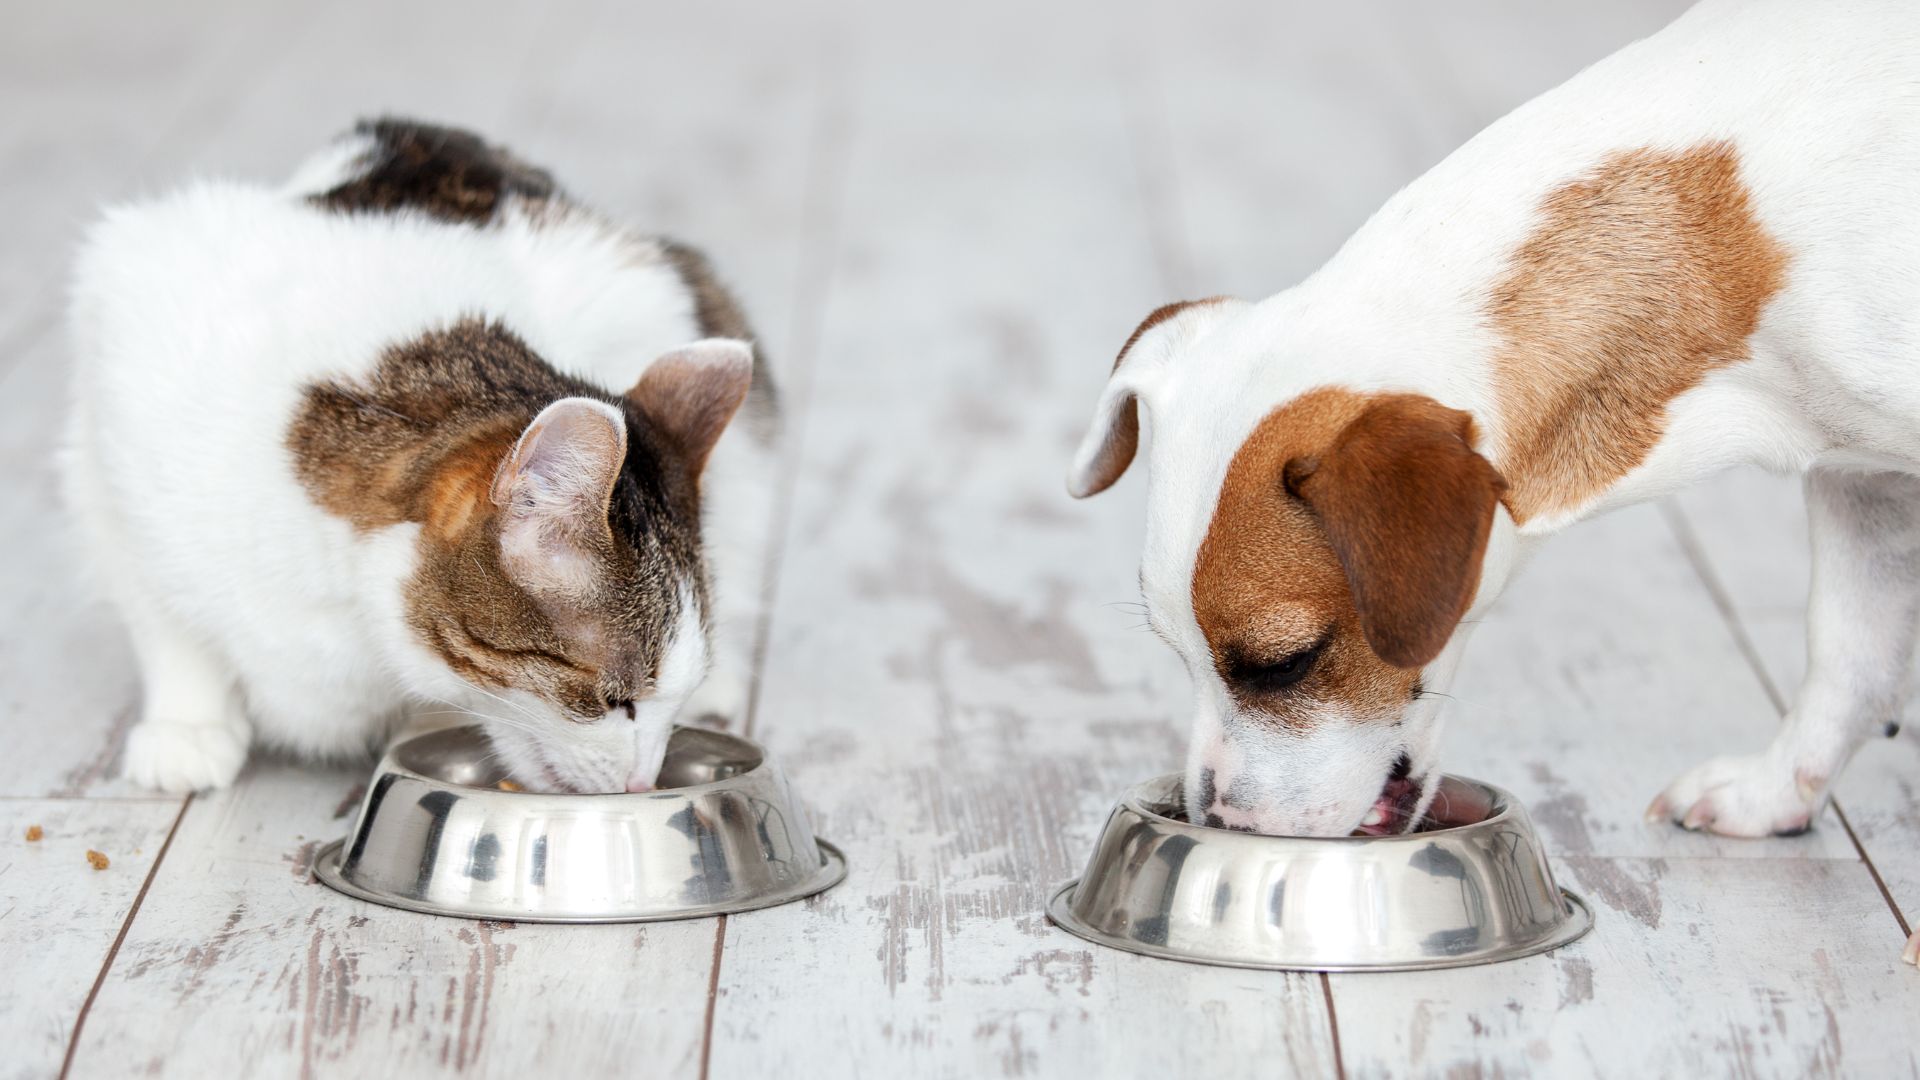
column 177, row 757
column 720, row 702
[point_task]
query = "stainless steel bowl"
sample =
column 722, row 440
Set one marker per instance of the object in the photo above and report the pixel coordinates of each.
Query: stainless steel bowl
column 1473, row 888
column 436, row 834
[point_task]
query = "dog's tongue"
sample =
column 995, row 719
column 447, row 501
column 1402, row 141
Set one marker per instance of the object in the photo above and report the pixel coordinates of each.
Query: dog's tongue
column 1392, row 809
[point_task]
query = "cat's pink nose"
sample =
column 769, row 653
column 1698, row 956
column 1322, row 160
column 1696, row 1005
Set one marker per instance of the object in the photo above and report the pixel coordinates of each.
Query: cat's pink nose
column 637, row 786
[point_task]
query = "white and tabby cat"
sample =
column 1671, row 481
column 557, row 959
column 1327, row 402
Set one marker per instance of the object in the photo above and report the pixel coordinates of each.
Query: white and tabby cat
column 415, row 431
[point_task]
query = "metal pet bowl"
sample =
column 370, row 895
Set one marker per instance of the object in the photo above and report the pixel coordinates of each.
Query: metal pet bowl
column 437, row 834
column 1472, row 888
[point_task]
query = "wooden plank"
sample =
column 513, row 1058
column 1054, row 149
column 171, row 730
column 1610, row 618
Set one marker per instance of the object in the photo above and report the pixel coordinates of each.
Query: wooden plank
column 59, row 916
column 1272, row 134
column 1751, row 529
column 239, row 964
column 947, row 681
column 109, row 86
column 1696, row 968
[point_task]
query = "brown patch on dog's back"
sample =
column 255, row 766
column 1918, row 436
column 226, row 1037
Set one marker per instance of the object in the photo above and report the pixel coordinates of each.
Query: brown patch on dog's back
column 447, row 173
column 1638, row 281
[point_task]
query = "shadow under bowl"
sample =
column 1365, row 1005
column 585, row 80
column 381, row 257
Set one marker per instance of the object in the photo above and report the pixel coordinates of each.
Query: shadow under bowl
column 1473, row 887
column 436, row 834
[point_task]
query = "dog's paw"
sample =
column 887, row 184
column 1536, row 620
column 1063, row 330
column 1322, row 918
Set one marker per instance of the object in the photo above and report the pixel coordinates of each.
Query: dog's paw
column 1741, row 796
column 720, row 702
column 1912, row 952
column 178, row 757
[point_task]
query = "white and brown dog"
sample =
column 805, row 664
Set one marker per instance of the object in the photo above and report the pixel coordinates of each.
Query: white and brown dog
column 1700, row 252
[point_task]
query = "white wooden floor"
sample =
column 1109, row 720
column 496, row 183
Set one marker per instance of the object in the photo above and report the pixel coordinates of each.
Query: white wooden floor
column 945, row 222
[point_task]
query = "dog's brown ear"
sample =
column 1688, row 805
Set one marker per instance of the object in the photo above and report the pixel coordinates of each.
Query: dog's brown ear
column 1108, row 447
column 1408, row 506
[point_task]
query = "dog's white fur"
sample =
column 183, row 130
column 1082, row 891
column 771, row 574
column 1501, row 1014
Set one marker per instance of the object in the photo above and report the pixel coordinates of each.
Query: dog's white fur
column 1822, row 103
column 198, row 318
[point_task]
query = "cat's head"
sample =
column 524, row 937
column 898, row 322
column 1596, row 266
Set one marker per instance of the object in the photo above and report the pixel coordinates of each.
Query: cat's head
column 562, row 579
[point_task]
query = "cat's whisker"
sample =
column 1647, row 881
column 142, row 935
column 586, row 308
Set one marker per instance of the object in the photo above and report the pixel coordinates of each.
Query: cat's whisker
column 466, row 711
column 514, row 705
column 523, row 710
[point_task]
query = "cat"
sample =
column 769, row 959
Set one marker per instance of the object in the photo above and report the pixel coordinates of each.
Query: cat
column 352, row 453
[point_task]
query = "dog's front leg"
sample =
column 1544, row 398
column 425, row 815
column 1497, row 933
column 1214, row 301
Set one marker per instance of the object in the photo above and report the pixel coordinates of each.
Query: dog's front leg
column 1861, row 617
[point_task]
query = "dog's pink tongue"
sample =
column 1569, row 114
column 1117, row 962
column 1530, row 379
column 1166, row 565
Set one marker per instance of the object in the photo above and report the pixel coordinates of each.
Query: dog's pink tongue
column 1380, row 820
column 1389, row 812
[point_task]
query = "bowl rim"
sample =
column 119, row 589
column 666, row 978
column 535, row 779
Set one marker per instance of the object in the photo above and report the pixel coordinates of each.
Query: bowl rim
column 1579, row 920
column 390, row 765
column 325, row 868
column 1134, row 799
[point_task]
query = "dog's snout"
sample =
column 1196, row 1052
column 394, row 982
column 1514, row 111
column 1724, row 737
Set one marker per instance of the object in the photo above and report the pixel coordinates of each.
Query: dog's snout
column 1217, row 809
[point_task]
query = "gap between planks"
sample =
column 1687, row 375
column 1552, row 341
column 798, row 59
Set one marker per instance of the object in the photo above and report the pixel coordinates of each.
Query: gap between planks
column 821, row 207
column 106, row 965
column 1333, row 1027
column 713, row 995
column 1683, row 533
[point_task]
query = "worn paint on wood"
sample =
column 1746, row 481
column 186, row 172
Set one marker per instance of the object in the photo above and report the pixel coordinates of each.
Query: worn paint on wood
column 975, row 675
column 59, row 917
column 942, row 226
column 240, row 964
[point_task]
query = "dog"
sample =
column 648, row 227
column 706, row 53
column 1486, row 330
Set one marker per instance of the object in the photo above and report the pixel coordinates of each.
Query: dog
column 1702, row 251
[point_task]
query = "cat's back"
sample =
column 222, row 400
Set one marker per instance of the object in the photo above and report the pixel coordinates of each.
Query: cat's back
column 232, row 289
column 203, row 317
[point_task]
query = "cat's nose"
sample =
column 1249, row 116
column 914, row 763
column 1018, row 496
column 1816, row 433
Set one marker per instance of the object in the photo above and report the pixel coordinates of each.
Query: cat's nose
column 635, row 785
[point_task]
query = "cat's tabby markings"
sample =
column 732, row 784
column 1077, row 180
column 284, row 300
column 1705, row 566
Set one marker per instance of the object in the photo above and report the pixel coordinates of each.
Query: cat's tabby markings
column 420, row 340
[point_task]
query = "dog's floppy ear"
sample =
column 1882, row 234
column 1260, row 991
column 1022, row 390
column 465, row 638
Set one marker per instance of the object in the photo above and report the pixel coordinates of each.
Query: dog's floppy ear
column 1408, row 506
column 1107, row 448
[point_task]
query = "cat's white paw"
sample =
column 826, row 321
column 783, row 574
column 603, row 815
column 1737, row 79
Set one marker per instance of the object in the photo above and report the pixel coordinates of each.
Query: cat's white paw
column 1755, row 795
column 1912, row 953
column 720, row 702
column 179, row 757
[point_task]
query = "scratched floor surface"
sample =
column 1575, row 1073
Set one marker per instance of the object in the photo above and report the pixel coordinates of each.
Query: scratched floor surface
column 944, row 221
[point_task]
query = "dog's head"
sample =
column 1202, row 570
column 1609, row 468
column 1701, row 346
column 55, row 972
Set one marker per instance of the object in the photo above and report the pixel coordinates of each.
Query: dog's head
column 1311, row 549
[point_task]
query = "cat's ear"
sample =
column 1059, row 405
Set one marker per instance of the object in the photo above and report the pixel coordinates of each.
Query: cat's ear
column 553, row 490
column 689, row 394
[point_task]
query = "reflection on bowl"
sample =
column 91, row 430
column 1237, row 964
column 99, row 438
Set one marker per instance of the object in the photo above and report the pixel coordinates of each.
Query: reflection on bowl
column 1472, row 887
column 436, row 834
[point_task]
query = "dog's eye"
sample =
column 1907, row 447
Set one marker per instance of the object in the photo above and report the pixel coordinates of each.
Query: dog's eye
column 1267, row 678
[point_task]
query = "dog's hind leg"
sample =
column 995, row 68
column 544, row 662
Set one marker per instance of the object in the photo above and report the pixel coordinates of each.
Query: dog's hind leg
column 1862, row 613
